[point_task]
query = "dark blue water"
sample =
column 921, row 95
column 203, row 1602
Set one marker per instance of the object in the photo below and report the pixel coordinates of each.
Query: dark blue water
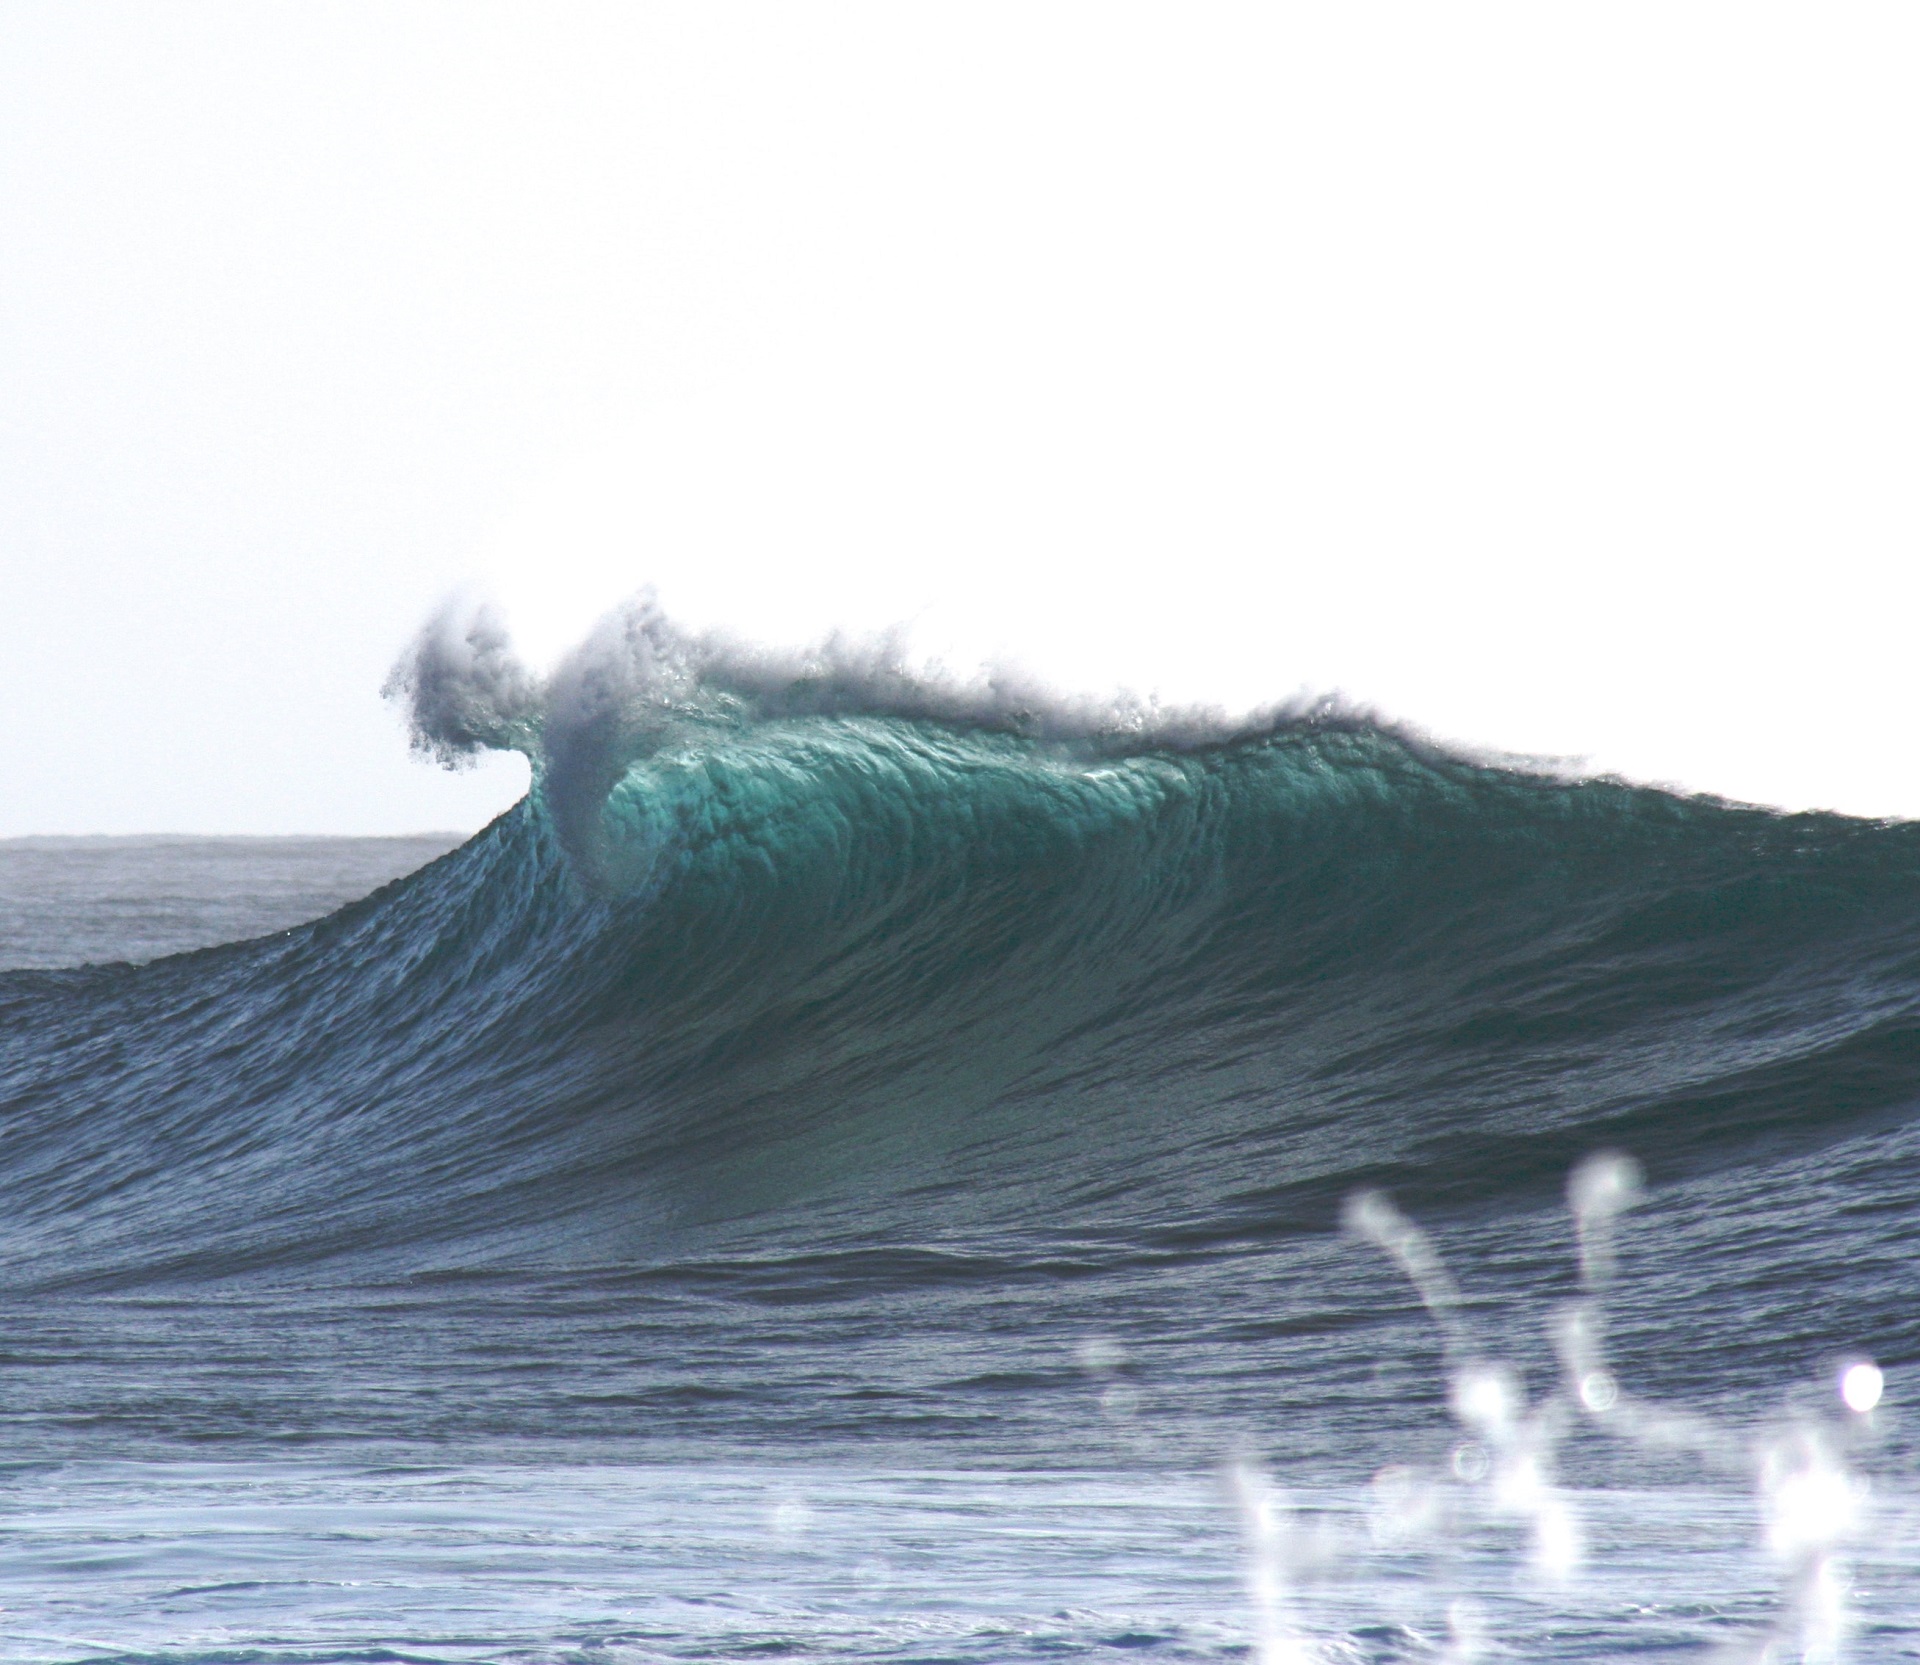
column 852, row 1171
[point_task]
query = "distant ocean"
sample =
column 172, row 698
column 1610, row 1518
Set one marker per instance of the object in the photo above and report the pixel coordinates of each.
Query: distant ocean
column 857, row 1167
column 80, row 901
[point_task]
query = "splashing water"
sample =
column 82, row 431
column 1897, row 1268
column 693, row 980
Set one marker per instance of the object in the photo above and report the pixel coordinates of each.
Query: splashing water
column 1809, row 1506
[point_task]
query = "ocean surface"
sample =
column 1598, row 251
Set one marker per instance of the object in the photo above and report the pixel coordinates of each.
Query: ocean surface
column 855, row 1168
column 75, row 901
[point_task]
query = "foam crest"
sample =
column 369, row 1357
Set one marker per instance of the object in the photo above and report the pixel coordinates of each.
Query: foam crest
column 463, row 690
column 641, row 672
column 640, row 682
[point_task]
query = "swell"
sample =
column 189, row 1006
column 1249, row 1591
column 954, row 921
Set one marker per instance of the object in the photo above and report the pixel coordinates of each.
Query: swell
column 822, row 975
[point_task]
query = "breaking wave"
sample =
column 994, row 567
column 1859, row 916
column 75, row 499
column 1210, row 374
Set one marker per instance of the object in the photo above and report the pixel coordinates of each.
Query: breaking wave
column 815, row 948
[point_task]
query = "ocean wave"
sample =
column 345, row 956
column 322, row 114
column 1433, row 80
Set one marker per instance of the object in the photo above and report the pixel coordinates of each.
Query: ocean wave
column 804, row 949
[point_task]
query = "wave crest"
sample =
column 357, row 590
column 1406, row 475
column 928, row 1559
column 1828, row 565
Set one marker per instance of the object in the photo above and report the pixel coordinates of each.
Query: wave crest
column 641, row 683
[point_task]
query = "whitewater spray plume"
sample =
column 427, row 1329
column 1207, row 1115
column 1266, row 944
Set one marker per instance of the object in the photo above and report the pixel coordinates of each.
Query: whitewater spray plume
column 463, row 690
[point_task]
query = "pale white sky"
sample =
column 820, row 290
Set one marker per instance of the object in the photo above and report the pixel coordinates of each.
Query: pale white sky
column 1548, row 375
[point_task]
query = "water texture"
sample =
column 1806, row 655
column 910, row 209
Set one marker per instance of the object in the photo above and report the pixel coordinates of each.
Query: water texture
column 71, row 901
column 855, row 1167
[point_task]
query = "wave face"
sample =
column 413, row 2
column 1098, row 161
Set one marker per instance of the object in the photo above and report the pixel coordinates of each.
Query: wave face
column 791, row 961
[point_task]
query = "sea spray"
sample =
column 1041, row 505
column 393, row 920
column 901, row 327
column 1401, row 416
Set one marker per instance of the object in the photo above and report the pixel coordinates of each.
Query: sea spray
column 1810, row 1505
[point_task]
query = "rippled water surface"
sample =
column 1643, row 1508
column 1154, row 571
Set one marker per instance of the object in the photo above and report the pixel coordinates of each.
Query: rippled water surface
column 839, row 1185
column 233, row 1561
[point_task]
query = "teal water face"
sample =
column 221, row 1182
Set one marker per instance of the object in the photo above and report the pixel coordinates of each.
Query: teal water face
column 884, row 978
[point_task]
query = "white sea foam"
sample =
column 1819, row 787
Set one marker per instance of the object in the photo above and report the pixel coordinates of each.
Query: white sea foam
column 465, row 690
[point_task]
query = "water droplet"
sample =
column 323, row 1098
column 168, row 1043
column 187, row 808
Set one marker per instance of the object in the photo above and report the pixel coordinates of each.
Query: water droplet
column 1860, row 1386
column 1470, row 1464
column 1599, row 1392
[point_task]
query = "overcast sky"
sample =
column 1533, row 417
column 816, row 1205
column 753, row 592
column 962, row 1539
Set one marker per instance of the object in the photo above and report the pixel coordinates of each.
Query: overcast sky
column 1547, row 375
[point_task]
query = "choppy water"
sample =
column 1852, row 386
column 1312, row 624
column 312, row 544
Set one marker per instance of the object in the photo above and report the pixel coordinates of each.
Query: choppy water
column 850, row 1169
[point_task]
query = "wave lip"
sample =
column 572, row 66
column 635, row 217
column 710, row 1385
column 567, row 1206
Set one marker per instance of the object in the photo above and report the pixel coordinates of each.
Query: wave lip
column 640, row 683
